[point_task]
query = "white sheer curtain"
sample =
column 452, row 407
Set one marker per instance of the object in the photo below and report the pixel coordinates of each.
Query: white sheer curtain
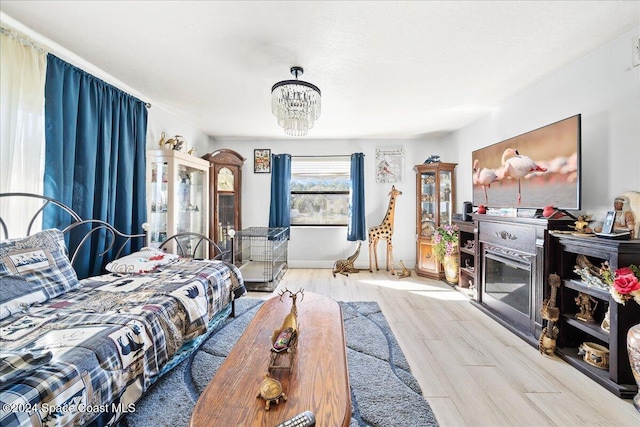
column 22, row 78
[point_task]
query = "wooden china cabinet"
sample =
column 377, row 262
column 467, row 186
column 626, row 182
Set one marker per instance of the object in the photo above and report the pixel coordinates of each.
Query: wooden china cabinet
column 435, row 200
column 225, row 186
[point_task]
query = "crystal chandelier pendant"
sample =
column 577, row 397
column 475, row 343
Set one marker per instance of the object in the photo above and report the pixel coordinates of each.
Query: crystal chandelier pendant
column 296, row 104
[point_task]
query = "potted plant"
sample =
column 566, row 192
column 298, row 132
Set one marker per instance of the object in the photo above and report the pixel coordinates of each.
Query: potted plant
column 445, row 248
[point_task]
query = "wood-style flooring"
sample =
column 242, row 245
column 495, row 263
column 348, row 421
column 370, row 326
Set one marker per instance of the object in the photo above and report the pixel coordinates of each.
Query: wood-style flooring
column 472, row 371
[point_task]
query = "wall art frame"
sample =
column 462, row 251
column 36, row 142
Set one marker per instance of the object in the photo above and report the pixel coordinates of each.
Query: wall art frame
column 389, row 164
column 262, row 160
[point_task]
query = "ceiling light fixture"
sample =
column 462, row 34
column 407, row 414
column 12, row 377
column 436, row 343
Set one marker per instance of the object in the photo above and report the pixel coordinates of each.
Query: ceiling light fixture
column 296, row 104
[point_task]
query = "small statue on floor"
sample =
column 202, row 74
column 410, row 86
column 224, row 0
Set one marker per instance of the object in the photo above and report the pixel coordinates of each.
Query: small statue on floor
column 345, row 266
column 405, row 271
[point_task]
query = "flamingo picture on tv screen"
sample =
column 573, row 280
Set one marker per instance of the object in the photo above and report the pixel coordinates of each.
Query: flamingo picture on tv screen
column 533, row 170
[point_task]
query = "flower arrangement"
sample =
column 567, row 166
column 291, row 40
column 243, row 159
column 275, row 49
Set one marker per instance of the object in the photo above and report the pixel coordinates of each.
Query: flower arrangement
column 445, row 241
column 624, row 283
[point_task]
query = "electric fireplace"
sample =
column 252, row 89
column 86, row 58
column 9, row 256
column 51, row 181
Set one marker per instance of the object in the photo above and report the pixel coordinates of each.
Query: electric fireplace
column 513, row 270
column 507, row 284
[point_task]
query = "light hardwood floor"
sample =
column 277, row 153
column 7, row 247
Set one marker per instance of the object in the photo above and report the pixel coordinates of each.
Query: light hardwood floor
column 472, row 371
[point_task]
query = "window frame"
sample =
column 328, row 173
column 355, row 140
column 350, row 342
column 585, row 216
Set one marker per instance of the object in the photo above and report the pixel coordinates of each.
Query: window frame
column 339, row 173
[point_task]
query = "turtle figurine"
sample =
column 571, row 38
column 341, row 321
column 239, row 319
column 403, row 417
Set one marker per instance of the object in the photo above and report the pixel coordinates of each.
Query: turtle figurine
column 271, row 391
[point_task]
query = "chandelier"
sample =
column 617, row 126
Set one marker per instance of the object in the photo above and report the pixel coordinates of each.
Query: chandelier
column 296, row 104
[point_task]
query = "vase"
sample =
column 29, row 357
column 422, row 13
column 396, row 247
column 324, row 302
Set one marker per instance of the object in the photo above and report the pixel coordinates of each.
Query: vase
column 450, row 264
column 633, row 348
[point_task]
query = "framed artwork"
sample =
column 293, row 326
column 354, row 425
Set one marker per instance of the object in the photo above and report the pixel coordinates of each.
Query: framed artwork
column 607, row 226
column 262, row 160
column 389, row 164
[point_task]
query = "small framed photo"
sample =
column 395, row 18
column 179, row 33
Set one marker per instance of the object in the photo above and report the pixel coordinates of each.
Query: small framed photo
column 607, row 226
column 262, row 160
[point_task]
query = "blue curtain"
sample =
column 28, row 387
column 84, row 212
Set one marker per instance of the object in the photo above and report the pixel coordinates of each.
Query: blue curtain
column 357, row 229
column 95, row 157
column 280, row 207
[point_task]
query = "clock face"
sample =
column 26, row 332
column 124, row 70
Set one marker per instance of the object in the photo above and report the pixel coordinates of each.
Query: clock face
column 225, row 179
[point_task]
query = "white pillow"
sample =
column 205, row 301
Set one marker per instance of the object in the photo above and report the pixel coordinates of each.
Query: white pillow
column 145, row 260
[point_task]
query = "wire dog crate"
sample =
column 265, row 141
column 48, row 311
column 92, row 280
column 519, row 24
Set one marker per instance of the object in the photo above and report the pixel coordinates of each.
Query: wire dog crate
column 263, row 254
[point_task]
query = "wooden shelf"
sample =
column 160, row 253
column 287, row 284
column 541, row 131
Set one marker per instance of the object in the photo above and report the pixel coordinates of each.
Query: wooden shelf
column 592, row 329
column 467, row 251
column 618, row 378
column 579, row 286
column 601, row 376
column 467, row 271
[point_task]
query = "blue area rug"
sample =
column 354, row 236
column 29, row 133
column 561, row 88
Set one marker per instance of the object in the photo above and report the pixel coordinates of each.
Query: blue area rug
column 384, row 393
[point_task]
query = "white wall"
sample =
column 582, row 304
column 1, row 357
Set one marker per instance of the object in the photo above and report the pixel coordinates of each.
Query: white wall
column 605, row 88
column 319, row 247
column 602, row 86
column 160, row 120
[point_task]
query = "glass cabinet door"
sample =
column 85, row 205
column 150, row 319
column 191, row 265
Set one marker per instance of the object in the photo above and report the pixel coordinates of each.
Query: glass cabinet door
column 158, row 199
column 428, row 204
column 177, row 195
column 445, row 207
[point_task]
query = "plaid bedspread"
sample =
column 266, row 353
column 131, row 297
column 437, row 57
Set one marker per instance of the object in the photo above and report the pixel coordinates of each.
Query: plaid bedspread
column 85, row 357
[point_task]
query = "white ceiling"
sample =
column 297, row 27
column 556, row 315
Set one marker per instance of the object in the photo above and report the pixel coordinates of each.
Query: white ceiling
column 386, row 69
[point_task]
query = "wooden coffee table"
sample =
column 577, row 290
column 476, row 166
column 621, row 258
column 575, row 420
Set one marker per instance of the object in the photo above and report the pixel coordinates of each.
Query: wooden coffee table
column 319, row 381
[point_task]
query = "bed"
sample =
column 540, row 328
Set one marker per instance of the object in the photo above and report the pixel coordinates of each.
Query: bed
column 83, row 352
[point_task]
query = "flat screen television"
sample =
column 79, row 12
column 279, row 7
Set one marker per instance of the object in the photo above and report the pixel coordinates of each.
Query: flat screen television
column 533, row 170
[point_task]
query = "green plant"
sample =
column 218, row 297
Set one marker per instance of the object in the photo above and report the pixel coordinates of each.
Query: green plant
column 445, row 241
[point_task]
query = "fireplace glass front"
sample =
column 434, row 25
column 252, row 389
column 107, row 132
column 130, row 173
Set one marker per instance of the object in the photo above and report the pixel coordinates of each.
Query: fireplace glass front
column 507, row 287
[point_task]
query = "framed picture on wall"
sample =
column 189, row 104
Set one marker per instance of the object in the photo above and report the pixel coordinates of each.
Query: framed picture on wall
column 262, row 160
column 389, row 164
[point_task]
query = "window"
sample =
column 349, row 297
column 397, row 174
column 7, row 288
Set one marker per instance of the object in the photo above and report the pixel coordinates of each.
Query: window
column 320, row 188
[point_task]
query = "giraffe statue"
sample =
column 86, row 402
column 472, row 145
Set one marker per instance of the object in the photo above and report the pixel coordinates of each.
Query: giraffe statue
column 384, row 231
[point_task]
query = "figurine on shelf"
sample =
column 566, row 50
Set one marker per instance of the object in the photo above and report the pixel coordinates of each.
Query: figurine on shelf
column 624, row 218
column 582, row 224
column 584, row 302
column 434, row 158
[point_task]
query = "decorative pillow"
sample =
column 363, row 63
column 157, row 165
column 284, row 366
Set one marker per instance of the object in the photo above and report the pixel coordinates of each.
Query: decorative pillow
column 41, row 259
column 145, row 260
column 18, row 294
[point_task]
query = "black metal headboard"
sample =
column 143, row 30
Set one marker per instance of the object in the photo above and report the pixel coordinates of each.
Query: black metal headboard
column 186, row 244
column 75, row 221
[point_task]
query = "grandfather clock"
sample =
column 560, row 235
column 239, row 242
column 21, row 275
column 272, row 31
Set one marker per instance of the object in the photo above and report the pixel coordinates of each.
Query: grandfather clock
column 225, row 184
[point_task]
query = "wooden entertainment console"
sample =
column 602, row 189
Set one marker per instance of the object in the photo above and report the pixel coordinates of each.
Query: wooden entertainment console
column 512, row 259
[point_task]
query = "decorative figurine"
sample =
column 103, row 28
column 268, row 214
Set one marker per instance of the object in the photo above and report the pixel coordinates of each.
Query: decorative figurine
column 285, row 339
column 384, row 231
column 549, row 311
column 271, row 391
column 434, row 158
column 405, row 271
column 345, row 266
column 594, row 354
column 586, row 312
column 582, row 224
column 624, row 218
